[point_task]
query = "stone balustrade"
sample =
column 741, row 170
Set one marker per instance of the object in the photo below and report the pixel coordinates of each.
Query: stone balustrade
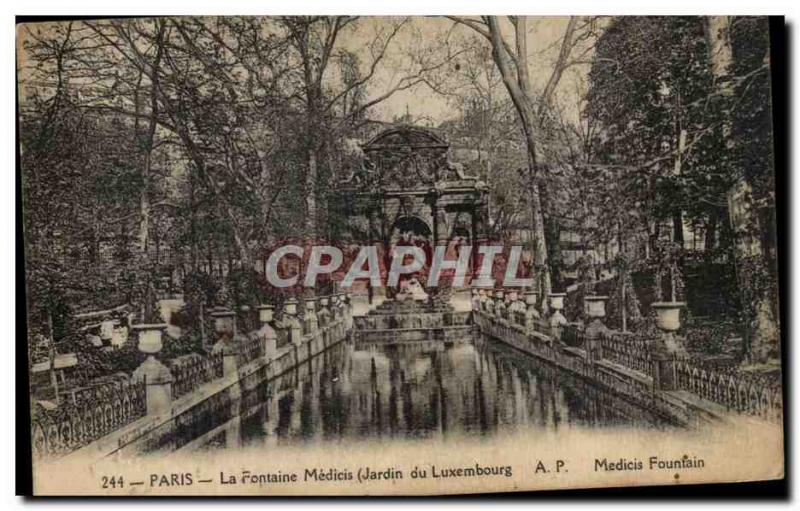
column 631, row 363
column 246, row 343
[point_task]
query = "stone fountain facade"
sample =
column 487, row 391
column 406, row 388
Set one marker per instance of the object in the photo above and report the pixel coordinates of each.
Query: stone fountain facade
column 407, row 192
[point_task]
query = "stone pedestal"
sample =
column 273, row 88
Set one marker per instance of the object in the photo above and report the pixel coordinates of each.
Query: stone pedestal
column 230, row 357
column 348, row 312
column 310, row 316
column 475, row 299
column 158, row 385
column 267, row 331
column 668, row 347
column 334, row 307
column 531, row 313
column 225, row 328
column 501, row 310
column 557, row 319
column 593, row 333
column 664, row 362
column 292, row 323
column 323, row 314
column 155, row 375
column 594, row 307
column 499, row 300
column 489, row 304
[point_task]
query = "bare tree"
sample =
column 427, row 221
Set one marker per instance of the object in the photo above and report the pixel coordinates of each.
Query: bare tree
column 316, row 44
column 512, row 57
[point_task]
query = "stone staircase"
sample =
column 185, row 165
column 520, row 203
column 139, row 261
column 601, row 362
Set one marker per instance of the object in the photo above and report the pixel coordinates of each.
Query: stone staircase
column 413, row 320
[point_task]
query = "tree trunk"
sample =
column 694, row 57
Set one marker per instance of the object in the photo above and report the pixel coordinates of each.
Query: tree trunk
column 51, row 352
column 539, row 243
column 144, row 207
column 144, row 198
column 310, row 226
column 677, row 227
column 193, row 225
column 622, row 300
column 757, row 298
column 711, row 232
column 519, row 90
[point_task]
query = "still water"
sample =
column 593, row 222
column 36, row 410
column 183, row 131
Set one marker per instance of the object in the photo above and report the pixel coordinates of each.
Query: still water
column 478, row 387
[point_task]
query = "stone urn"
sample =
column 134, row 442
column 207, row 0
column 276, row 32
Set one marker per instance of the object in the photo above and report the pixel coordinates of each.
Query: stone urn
column 224, row 321
column 291, row 322
column 595, row 306
column 225, row 328
column 557, row 320
column 107, row 332
column 266, row 313
column 290, row 306
column 557, row 301
column 150, row 337
column 668, row 315
column 668, row 320
column 531, row 313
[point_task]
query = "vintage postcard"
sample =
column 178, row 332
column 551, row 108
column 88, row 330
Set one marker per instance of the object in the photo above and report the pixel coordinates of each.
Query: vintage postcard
column 398, row 255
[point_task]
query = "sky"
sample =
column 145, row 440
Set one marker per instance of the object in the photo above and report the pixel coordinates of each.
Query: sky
column 544, row 37
column 427, row 35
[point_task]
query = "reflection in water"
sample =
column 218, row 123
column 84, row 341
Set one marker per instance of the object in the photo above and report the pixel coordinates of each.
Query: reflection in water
column 358, row 390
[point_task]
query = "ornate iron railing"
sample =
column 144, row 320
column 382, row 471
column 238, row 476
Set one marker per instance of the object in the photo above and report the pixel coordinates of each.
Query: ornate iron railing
column 573, row 335
column 543, row 327
column 251, row 349
column 96, row 413
column 247, row 320
column 627, row 350
column 216, row 364
column 734, row 390
column 191, row 371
